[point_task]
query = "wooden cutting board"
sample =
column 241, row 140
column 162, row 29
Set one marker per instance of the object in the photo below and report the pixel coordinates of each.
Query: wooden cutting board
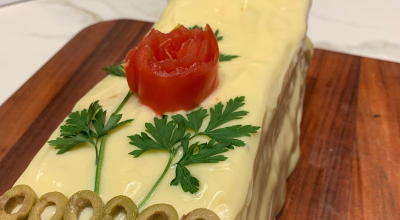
column 349, row 166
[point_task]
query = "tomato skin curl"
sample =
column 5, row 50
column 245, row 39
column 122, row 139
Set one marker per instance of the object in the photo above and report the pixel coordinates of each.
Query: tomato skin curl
column 174, row 71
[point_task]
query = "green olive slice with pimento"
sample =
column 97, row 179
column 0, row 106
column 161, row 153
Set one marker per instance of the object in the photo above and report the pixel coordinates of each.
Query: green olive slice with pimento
column 159, row 212
column 200, row 214
column 81, row 200
column 56, row 199
column 18, row 195
column 118, row 204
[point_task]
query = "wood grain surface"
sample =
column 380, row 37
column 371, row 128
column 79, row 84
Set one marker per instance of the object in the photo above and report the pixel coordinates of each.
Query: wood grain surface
column 349, row 166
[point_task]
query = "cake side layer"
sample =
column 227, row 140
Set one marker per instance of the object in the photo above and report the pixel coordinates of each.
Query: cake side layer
column 266, row 35
column 279, row 146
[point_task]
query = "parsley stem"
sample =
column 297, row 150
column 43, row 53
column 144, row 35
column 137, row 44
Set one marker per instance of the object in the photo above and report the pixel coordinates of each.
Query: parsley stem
column 97, row 154
column 100, row 153
column 99, row 164
column 123, row 102
column 144, row 201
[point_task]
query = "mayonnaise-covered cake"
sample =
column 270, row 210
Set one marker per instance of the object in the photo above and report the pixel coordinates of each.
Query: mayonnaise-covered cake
column 183, row 148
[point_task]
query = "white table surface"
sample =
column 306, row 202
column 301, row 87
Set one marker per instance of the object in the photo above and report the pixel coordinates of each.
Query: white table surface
column 33, row 31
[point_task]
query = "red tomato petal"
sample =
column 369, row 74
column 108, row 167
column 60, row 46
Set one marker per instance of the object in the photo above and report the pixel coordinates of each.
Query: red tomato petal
column 174, row 71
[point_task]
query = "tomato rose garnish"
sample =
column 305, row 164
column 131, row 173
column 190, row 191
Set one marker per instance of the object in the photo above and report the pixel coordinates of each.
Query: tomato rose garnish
column 174, row 71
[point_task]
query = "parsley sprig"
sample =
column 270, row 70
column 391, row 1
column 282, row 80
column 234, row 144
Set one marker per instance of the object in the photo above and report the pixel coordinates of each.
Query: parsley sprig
column 216, row 33
column 89, row 126
column 172, row 135
column 223, row 57
column 115, row 70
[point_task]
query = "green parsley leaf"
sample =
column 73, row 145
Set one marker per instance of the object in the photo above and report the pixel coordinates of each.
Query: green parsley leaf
column 162, row 131
column 93, row 108
column 229, row 134
column 70, row 130
column 145, row 143
column 224, row 58
column 64, row 144
column 206, row 153
column 178, row 135
column 76, row 122
column 103, row 128
column 219, row 117
column 115, row 70
column 194, row 121
column 98, row 123
column 77, row 128
column 165, row 135
column 114, row 122
column 216, row 33
column 203, row 153
column 188, row 182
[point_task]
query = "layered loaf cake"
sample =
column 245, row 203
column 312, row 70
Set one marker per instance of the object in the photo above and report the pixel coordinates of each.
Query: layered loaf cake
column 267, row 56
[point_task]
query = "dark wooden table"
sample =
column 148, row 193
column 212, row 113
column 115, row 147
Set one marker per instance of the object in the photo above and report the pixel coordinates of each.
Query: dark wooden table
column 349, row 166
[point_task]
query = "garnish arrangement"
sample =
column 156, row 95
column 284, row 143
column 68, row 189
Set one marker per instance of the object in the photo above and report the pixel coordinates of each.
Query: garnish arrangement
column 170, row 135
column 90, row 126
column 185, row 65
column 175, row 134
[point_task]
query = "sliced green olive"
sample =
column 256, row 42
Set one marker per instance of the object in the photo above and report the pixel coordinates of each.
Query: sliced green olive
column 118, row 204
column 159, row 212
column 18, row 195
column 56, row 199
column 81, row 200
column 200, row 214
